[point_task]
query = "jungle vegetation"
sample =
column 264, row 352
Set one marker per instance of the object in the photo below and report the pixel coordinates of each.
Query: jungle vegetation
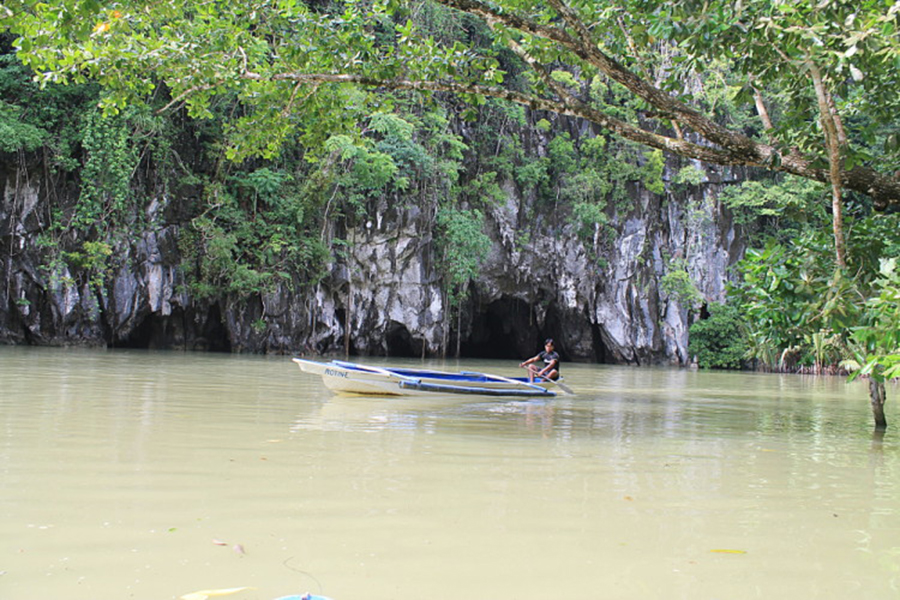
column 364, row 99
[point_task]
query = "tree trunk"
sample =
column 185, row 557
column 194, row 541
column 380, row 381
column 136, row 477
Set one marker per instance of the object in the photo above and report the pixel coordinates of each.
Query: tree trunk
column 458, row 329
column 832, row 130
column 877, row 397
column 837, row 225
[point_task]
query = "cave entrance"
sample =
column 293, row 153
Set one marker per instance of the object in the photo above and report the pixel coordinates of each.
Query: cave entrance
column 179, row 331
column 506, row 329
column 401, row 343
column 503, row 330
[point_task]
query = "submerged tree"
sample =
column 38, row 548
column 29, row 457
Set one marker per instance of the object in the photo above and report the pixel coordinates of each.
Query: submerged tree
column 878, row 342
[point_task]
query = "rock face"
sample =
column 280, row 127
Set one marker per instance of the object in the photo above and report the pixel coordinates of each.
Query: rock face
column 601, row 300
column 610, row 309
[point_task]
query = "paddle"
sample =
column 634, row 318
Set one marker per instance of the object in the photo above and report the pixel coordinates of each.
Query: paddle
column 560, row 384
column 507, row 380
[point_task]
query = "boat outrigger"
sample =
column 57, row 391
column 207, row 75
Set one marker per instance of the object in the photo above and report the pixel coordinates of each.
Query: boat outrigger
column 351, row 378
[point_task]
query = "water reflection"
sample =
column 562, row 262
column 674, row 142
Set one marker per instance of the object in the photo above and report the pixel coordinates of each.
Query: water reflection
column 650, row 483
column 627, row 404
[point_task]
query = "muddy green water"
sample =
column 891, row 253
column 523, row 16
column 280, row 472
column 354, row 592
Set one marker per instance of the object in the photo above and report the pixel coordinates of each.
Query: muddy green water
column 127, row 474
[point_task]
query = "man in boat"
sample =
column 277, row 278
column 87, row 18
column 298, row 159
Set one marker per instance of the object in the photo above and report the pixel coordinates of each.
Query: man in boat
column 550, row 360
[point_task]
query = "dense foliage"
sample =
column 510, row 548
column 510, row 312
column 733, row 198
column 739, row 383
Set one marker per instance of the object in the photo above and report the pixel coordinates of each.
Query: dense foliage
column 800, row 310
column 718, row 342
column 876, row 341
column 819, row 73
column 796, row 311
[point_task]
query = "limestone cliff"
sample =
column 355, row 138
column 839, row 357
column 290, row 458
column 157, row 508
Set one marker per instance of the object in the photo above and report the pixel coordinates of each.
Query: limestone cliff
column 601, row 299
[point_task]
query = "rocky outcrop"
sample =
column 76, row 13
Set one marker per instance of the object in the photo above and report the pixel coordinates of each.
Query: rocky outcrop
column 610, row 308
column 602, row 301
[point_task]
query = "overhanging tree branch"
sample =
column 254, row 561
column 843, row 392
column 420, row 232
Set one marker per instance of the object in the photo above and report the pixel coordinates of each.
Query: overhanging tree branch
column 884, row 190
column 733, row 148
column 582, row 45
column 573, row 108
column 197, row 55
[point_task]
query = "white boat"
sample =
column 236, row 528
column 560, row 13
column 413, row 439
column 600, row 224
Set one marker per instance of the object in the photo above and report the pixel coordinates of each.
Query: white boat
column 351, row 378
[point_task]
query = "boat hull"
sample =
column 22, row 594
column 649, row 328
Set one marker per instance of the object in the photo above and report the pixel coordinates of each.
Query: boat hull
column 350, row 378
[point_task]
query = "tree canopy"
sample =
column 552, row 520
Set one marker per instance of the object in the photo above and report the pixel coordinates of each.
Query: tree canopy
column 818, row 78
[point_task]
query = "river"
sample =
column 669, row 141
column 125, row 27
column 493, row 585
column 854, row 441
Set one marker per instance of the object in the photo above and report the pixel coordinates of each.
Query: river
column 153, row 475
